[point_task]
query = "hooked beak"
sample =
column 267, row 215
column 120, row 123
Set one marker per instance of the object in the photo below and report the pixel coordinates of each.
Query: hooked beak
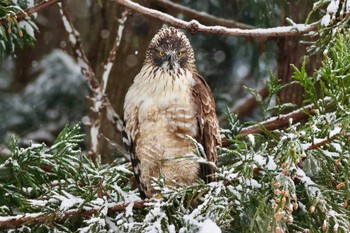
column 171, row 60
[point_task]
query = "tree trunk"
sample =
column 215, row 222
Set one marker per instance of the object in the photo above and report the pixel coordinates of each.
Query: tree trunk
column 292, row 51
column 51, row 33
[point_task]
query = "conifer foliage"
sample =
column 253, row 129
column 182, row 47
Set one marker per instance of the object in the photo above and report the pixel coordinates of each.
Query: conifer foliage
column 13, row 32
column 290, row 179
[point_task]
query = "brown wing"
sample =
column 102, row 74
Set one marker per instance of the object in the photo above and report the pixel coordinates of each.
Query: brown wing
column 129, row 142
column 208, row 127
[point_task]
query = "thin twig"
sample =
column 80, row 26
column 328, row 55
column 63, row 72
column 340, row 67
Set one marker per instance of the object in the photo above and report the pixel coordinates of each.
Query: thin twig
column 114, row 50
column 121, row 149
column 194, row 26
column 112, row 116
column 31, row 10
column 202, row 17
column 321, row 143
column 34, row 218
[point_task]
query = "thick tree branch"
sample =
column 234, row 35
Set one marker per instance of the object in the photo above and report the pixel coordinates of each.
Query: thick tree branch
column 202, row 17
column 34, row 218
column 31, row 10
column 246, row 105
column 279, row 122
column 194, row 26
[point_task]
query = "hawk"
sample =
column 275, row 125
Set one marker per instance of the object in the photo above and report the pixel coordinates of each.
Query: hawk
column 168, row 105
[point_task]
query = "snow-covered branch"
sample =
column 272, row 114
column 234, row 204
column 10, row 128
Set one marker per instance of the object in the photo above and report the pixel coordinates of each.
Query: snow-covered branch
column 112, row 116
column 113, row 52
column 31, row 10
column 202, row 17
column 86, row 70
column 98, row 99
column 194, row 26
column 278, row 122
column 7, row 222
column 281, row 121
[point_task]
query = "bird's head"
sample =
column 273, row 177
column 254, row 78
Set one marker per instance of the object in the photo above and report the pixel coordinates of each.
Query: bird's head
column 170, row 50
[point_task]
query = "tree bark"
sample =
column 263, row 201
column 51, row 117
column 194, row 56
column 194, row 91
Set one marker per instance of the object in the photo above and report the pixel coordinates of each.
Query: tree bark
column 50, row 35
column 292, row 51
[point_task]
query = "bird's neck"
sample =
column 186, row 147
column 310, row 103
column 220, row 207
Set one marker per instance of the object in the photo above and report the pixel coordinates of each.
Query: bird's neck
column 161, row 87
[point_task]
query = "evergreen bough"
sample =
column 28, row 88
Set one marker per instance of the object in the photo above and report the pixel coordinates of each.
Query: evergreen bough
column 294, row 179
column 12, row 31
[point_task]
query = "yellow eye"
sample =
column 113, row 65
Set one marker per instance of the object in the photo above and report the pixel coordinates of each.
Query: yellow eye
column 161, row 53
column 179, row 54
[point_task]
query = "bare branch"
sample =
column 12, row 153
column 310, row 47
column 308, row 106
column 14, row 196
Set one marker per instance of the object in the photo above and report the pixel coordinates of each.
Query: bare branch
column 86, row 70
column 34, row 218
column 195, row 27
column 31, row 10
column 246, row 105
column 112, row 116
column 114, row 50
column 202, row 17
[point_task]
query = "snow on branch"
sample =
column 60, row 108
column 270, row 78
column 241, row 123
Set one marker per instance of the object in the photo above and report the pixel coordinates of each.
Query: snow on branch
column 280, row 122
column 112, row 116
column 31, row 10
column 194, row 26
column 200, row 16
column 35, row 218
column 113, row 52
column 99, row 100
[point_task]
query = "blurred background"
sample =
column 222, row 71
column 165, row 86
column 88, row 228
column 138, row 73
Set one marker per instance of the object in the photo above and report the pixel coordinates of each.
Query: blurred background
column 42, row 89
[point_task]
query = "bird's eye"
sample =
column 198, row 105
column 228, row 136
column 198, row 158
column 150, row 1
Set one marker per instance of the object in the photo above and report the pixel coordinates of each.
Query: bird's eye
column 161, row 53
column 179, row 53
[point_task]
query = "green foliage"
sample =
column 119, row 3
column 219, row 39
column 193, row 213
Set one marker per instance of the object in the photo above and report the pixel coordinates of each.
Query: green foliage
column 334, row 75
column 306, row 82
column 12, row 31
column 270, row 106
column 41, row 179
column 332, row 80
column 335, row 21
column 294, row 179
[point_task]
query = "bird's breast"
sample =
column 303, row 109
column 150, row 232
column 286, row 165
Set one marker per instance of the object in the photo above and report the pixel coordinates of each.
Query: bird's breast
column 162, row 104
column 160, row 113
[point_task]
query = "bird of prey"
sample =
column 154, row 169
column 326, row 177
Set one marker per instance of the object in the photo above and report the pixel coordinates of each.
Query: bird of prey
column 168, row 106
